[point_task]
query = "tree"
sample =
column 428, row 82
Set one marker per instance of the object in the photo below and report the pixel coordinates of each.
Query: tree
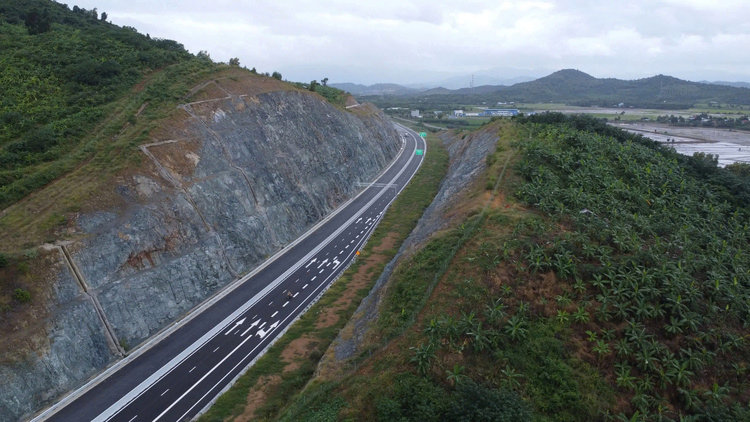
column 103, row 17
column 324, row 81
column 234, row 61
column 276, row 75
column 313, row 84
column 253, row 70
column 423, row 357
column 37, row 23
column 203, row 55
column 455, row 376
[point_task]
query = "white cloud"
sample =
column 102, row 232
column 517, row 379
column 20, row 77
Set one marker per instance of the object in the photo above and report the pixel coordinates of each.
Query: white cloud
column 409, row 41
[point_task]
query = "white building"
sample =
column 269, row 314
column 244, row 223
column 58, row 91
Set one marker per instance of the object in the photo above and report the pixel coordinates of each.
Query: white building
column 458, row 113
column 415, row 113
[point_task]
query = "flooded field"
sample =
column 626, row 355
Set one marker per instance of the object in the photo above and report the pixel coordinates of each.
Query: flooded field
column 730, row 146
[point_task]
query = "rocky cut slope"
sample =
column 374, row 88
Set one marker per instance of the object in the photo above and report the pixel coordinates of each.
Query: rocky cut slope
column 245, row 167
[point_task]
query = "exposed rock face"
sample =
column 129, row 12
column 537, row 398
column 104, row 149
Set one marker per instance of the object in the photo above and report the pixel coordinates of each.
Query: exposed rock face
column 234, row 181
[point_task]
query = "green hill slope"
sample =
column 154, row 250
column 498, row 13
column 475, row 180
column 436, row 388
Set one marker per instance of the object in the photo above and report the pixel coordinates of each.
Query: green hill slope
column 64, row 72
column 599, row 277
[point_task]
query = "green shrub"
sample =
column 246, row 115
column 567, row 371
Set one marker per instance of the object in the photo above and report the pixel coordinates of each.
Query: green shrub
column 472, row 402
column 22, row 295
column 3, row 260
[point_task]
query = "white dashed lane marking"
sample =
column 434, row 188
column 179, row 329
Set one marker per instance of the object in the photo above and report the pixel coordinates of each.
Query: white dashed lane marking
column 274, row 314
column 303, row 287
column 192, row 369
column 215, row 349
column 165, row 392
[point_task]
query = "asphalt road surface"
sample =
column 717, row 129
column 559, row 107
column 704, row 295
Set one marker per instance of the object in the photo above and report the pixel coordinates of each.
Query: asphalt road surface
column 184, row 372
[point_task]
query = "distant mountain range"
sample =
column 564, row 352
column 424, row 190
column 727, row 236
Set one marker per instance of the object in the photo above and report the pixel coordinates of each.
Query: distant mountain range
column 578, row 88
column 734, row 84
column 377, row 89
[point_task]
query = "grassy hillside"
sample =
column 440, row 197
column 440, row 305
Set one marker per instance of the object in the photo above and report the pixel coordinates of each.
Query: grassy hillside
column 63, row 73
column 600, row 277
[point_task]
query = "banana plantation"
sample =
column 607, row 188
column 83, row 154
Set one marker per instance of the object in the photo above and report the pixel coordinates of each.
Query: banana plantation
column 626, row 296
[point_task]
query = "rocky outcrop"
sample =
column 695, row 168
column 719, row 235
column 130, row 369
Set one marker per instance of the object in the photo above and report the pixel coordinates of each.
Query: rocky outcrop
column 230, row 181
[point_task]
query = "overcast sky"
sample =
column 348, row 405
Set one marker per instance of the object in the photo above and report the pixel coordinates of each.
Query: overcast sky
column 411, row 41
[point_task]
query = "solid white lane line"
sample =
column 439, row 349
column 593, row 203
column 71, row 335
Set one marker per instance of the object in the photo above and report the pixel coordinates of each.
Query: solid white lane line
column 192, row 369
column 167, row 368
column 274, row 314
column 165, row 392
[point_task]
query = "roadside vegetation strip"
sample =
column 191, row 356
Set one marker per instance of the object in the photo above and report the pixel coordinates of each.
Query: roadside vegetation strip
column 413, row 284
column 316, row 326
column 383, row 380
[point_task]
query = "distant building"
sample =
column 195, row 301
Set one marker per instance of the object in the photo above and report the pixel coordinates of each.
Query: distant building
column 458, row 113
column 415, row 113
column 500, row 112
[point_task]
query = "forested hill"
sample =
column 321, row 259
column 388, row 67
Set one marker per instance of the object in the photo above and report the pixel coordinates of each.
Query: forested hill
column 63, row 71
column 578, row 88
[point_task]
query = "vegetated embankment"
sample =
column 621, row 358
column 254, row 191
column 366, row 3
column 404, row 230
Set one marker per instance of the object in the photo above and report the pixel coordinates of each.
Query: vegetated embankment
column 603, row 276
column 244, row 166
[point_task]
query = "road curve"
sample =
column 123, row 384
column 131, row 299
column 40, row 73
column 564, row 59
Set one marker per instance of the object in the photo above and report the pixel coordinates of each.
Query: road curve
column 185, row 371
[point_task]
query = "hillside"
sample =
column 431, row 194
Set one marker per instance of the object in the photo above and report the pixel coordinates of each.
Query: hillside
column 151, row 189
column 66, row 72
column 582, row 274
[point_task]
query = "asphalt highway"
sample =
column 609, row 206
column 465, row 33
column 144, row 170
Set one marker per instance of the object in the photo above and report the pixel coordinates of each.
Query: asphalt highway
column 180, row 375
